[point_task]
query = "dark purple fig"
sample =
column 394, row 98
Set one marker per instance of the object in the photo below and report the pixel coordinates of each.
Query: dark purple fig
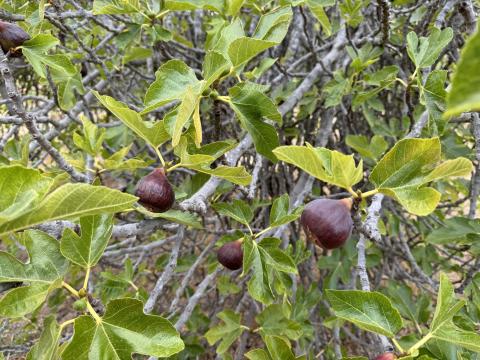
column 230, row 255
column 386, row 356
column 328, row 222
column 155, row 192
column 12, row 36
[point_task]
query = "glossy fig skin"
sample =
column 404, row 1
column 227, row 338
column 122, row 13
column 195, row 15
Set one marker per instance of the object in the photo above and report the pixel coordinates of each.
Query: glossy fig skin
column 386, row 356
column 155, row 192
column 328, row 222
column 230, row 255
column 12, row 36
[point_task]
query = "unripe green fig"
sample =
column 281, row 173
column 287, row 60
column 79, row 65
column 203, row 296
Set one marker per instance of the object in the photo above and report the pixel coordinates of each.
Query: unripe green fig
column 230, row 255
column 328, row 222
column 155, row 192
column 386, row 356
column 80, row 305
column 82, row 292
column 12, row 36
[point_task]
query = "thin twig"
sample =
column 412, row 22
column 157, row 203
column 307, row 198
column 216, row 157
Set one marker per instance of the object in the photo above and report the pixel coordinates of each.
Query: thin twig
column 167, row 273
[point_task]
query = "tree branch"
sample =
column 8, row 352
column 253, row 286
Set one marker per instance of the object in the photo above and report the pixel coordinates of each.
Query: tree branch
column 17, row 109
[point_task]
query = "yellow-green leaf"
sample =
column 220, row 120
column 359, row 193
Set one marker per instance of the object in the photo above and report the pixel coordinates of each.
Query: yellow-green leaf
column 71, row 201
column 153, row 133
column 465, row 93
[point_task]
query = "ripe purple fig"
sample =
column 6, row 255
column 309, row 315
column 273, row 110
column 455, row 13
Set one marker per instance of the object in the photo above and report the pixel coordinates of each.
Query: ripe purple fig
column 12, row 36
column 155, row 192
column 230, row 255
column 386, row 356
column 328, row 222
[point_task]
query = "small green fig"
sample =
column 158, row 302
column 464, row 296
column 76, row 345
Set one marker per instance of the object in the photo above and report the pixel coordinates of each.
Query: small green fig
column 328, row 222
column 80, row 305
column 12, row 36
column 155, row 192
column 230, row 255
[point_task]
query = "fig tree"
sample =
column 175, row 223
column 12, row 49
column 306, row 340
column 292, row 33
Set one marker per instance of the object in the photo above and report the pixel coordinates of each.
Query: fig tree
column 155, row 192
column 12, row 36
column 230, row 255
column 328, row 222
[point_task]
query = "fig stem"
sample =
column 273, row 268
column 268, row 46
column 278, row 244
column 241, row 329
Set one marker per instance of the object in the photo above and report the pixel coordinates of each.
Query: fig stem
column 87, row 277
column 397, row 345
column 162, row 14
column 66, row 323
column 171, row 168
column 262, row 232
column 70, row 289
column 402, row 82
column 258, row 8
column 250, row 229
column 223, row 98
column 160, row 157
column 363, row 195
column 352, row 192
column 420, row 343
column 133, row 285
column 369, row 193
column 414, row 74
column 92, row 312
column 143, row 14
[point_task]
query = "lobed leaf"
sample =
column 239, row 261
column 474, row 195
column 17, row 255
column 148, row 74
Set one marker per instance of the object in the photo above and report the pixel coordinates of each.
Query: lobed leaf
column 86, row 250
column 123, row 330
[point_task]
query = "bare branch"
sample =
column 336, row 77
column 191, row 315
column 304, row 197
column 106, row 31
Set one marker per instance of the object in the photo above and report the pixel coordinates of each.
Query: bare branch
column 167, row 273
